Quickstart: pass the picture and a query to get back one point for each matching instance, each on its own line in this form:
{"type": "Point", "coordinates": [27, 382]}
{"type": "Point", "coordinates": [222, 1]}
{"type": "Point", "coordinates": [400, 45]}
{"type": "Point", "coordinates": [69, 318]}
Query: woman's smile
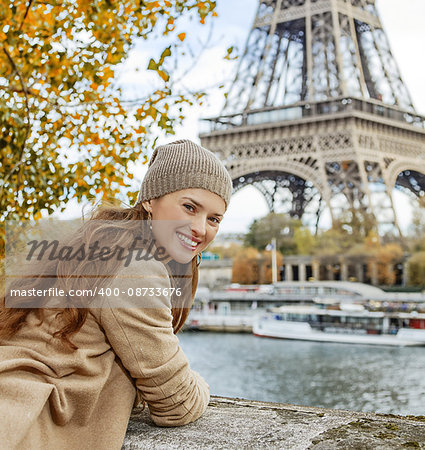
{"type": "Point", "coordinates": [188, 242]}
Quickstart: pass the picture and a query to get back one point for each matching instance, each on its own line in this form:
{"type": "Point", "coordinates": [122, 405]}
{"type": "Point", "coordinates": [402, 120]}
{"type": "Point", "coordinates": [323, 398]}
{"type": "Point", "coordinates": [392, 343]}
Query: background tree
{"type": "Point", "coordinates": [246, 266]}
{"type": "Point", "coordinates": [66, 127]}
{"type": "Point", "coordinates": [253, 267]}
{"type": "Point", "coordinates": [265, 267]}
{"type": "Point", "coordinates": [279, 226]}
{"type": "Point", "coordinates": [229, 251]}
{"type": "Point", "coordinates": [305, 242]}
{"type": "Point", "coordinates": [357, 223]}
{"type": "Point", "coordinates": [387, 256]}
{"type": "Point", "coordinates": [416, 269]}
{"type": "Point", "coordinates": [332, 242]}
{"type": "Point", "coordinates": [417, 230]}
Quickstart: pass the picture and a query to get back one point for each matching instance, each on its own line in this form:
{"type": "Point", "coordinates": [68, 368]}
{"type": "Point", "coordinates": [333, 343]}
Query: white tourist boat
{"type": "Point", "coordinates": [349, 324]}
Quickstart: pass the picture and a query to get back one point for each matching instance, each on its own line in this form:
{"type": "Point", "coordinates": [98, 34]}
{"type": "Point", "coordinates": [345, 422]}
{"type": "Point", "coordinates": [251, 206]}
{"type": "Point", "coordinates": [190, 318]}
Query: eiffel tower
{"type": "Point", "coordinates": [318, 116]}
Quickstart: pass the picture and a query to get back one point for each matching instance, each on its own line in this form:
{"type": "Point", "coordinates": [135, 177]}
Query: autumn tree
{"type": "Point", "coordinates": [387, 257]}
{"type": "Point", "coordinates": [253, 267]}
{"type": "Point", "coordinates": [416, 269]}
{"type": "Point", "coordinates": [68, 129]}
{"type": "Point", "coordinates": [246, 266]}
{"type": "Point", "coordinates": [265, 267]}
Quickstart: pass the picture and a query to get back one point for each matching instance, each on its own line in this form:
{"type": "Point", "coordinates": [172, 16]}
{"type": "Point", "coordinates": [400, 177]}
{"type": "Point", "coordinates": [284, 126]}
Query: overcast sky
{"type": "Point", "coordinates": [405, 31]}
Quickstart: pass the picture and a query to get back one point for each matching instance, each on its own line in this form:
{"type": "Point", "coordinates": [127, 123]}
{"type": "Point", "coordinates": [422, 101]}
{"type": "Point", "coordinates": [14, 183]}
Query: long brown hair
{"type": "Point", "coordinates": [73, 318]}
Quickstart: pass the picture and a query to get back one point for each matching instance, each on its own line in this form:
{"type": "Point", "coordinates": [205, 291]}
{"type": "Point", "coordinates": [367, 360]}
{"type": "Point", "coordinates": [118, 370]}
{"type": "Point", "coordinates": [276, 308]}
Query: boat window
{"type": "Point", "coordinates": [298, 317]}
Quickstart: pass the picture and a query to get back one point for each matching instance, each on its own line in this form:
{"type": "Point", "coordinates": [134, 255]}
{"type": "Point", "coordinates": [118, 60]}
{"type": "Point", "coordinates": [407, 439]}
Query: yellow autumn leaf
{"type": "Point", "coordinates": [163, 75]}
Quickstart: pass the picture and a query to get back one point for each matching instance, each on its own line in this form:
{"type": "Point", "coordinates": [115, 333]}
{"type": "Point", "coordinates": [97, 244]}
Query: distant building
{"type": "Point", "coordinates": [226, 239]}
{"type": "Point", "coordinates": [215, 273]}
{"type": "Point", "coordinates": [338, 268]}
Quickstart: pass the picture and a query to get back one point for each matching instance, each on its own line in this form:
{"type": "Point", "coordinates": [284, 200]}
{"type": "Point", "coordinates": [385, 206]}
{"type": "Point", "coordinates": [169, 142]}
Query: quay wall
{"type": "Point", "coordinates": [231, 423]}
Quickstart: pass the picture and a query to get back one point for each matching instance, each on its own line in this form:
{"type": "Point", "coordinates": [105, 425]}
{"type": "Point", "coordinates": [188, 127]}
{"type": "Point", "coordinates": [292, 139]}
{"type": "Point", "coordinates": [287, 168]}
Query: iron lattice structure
{"type": "Point", "coordinates": [318, 114]}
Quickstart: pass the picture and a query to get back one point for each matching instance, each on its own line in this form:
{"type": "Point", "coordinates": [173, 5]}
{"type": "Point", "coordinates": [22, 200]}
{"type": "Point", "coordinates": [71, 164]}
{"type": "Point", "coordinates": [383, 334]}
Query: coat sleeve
{"type": "Point", "coordinates": [144, 340]}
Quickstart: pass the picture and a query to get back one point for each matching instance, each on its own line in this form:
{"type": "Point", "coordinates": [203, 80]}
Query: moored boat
{"type": "Point", "coordinates": [347, 324]}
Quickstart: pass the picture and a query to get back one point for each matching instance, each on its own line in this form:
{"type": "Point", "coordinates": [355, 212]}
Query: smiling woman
{"type": "Point", "coordinates": [202, 211]}
{"type": "Point", "coordinates": [70, 373]}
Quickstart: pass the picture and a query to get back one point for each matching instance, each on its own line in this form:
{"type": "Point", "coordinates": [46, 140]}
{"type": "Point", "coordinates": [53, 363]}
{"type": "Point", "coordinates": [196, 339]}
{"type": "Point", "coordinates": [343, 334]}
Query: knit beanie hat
{"type": "Point", "coordinates": [183, 165]}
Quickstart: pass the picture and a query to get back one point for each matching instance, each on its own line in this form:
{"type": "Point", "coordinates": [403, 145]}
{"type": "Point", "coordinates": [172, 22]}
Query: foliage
{"type": "Point", "coordinates": [416, 269]}
{"type": "Point", "coordinates": [381, 258]}
{"type": "Point", "coordinates": [351, 230]}
{"type": "Point", "coordinates": [416, 239]}
{"type": "Point", "coordinates": [418, 221]}
{"type": "Point", "coordinates": [332, 242]}
{"type": "Point", "coordinates": [226, 252]}
{"type": "Point", "coordinates": [265, 267]}
{"type": "Point", "coordinates": [293, 238]}
{"type": "Point", "coordinates": [305, 242]}
{"type": "Point", "coordinates": [253, 267]}
{"type": "Point", "coordinates": [387, 256]}
{"type": "Point", "coordinates": [372, 242]}
{"type": "Point", "coordinates": [279, 226]}
{"type": "Point", "coordinates": [357, 223]}
{"type": "Point", "coordinates": [67, 129]}
{"type": "Point", "coordinates": [358, 243]}
{"type": "Point", "coordinates": [246, 266]}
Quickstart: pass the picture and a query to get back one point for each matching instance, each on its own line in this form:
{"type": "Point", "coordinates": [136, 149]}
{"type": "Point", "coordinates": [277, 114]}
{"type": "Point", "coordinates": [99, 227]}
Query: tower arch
{"type": "Point", "coordinates": [318, 95]}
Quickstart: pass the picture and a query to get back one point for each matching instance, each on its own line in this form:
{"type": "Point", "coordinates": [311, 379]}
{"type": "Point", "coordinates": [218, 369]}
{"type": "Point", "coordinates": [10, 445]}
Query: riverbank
{"type": "Point", "coordinates": [232, 423]}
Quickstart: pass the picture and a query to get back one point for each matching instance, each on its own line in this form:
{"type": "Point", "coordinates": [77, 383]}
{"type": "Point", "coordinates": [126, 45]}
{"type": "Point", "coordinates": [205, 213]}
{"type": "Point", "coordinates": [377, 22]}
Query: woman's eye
{"type": "Point", "coordinates": [189, 207]}
{"type": "Point", "coordinates": [215, 220]}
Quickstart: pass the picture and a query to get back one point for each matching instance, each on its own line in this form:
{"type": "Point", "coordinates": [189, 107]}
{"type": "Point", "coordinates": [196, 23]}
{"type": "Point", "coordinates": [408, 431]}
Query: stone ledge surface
{"type": "Point", "coordinates": [231, 423]}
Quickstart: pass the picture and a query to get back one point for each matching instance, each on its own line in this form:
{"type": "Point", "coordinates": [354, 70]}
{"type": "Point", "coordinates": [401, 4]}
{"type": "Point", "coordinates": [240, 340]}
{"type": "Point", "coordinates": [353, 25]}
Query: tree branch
{"type": "Point", "coordinates": [25, 15]}
{"type": "Point", "coordinates": [28, 127]}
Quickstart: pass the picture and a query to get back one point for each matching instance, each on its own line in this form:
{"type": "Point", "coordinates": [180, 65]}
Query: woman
{"type": "Point", "coordinates": [70, 376]}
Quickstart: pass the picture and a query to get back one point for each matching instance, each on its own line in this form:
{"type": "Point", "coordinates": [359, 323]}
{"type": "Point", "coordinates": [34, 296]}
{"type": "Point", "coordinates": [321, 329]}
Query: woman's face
{"type": "Point", "coordinates": [185, 221]}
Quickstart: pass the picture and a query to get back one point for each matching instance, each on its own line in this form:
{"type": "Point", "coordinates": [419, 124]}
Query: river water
{"type": "Point", "coordinates": [342, 376]}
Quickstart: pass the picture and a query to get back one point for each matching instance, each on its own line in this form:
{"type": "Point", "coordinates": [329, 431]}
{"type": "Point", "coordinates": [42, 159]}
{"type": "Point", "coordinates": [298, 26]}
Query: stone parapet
{"type": "Point", "coordinates": [231, 423]}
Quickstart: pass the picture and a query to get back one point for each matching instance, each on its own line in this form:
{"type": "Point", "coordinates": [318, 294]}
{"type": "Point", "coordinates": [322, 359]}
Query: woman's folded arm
{"type": "Point", "coordinates": [144, 340]}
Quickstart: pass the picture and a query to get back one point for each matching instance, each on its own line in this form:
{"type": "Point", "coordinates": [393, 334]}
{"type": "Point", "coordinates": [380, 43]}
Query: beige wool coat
{"type": "Point", "coordinates": [55, 398]}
